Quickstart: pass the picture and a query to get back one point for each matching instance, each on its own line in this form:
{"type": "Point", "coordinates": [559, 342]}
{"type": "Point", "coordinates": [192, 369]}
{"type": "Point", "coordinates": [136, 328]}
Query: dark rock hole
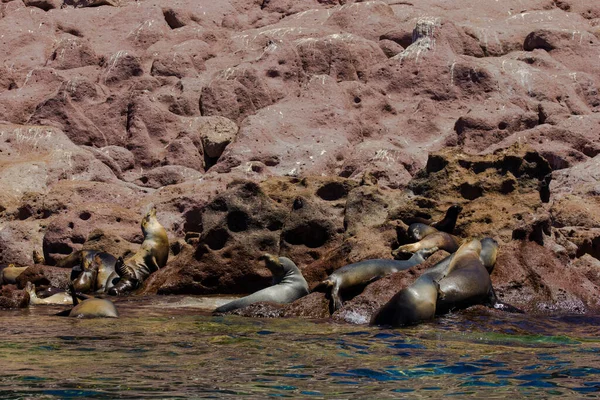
{"type": "Point", "coordinates": [216, 238]}
{"type": "Point", "coordinates": [470, 192]}
{"type": "Point", "coordinates": [310, 234]}
{"type": "Point", "coordinates": [85, 215]}
{"type": "Point", "coordinates": [332, 191]}
{"type": "Point", "coordinates": [237, 221]}
{"type": "Point", "coordinates": [172, 20]}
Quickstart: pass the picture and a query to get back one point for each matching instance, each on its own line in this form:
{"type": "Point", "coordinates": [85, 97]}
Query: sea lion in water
{"type": "Point", "coordinates": [55, 299]}
{"type": "Point", "coordinates": [151, 256]}
{"type": "Point", "coordinates": [9, 274]}
{"type": "Point", "coordinates": [288, 285]}
{"type": "Point", "coordinates": [90, 307]}
{"type": "Point", "coordinates": [441, 240]}
{"type": "Point", "coordinates": [364, 272]}
{"type": "Point", "coordinates": [97, 275]}
{"type": "Point", "coordinates": [411, 305]}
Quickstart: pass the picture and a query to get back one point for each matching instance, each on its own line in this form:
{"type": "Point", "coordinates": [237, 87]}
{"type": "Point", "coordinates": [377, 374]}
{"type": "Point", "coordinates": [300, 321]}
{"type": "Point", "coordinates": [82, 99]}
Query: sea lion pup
{"type": "Point", "coordinates": [288, 285]}
{"type": "Point", "coordinates": [418, 231]}
{"type": "Point", "coordinates": [90, 307]}
{"type": "Point", "coordinates": [441, 240]}
{"type": "Point", "coordinates": [9, 274]}
{"type": "Point", "coordinates": [97, 275]}
{"type": "Point", "coordinates": [411, 305]}
{"type": "Point", "coordinates": [55, 299]}
{"type": "Point", "coordinates": [151, 256]}
{"type": "Point", "coordinates": [364, 272]}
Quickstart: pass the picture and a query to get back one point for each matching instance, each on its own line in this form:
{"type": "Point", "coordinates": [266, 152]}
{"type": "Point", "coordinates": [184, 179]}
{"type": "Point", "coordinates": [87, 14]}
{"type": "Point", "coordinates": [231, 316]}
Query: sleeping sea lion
{"type": "Point", "coordinates": [418, 231]}
{"type": "Point", "coordinates": [441, 240]}
{"type": "Point", "coordinates": [58, 298]}
{"type": "Point", "coordinates": [364, 272]}
{"type": "Point", "coordinates": [151, 256]}
{"type": "Point", "coordinates": [98, 274]}
{"type": "Point", "coordinates": [410, 305]}
{"type": "Point", "coordinates": [288, 285]}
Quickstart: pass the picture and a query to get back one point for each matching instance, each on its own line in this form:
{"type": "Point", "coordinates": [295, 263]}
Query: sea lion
{"type": "Point", "coordinates": [151, 256]}
{"type": "Point", "coordinates": [447, 224]}
{"type": "Point", "coordinates": [364, 272]}
{"type": "Point", "coordinates": [441, 240]}
{"type": "Point", "coordinates": [98, 274]}
{"type": "Point", "coordinates": [90, 307]}
{"type": "Point", "coordinates": [9, 274]}
{"type": "Point", "coordinates": [58, 298]}
{"type": "Point", "coordinates": [410, 305]}
{"type": "Point", "coordinates": [288, 285]}
{"type": "Point", "coordinates": [466, 281]}
{"type": "Point", "coordinates": [418, 231]}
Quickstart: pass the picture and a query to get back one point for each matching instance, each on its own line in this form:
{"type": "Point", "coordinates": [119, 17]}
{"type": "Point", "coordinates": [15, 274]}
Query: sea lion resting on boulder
{"type": "Point", "coordinates": [95, 273]}
{"type": "Point", "coordinates": [58, 298]}
{"type": "Point", "coordinates": [151, 256]}
{"type": "Point", "coordinates": [441, 240]}
{"type": "Point", "coordinates": [288, 285]}
{"type": "Point", "coordinates": [460, 280]}
{"type": "Point", "coordinates": [364, 272]}
{"type": "Point", "coordinates": [8, 276]}
{"type": "Point", "coordinates": [447, 224]}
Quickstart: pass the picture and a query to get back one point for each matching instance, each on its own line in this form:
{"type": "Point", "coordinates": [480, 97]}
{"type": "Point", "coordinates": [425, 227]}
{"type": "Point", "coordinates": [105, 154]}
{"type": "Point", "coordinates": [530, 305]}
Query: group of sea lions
{"type": "Point", "coordinates": [99, 273]}
{"type": "Point", "coordinates": [460, 280]}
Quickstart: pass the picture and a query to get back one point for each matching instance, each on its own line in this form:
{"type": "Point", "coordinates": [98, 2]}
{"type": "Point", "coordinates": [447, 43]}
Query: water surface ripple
{"type": "Point", "coordinates": [157, 351]}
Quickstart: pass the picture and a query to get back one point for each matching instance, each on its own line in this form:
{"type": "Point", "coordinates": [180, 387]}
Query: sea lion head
{"type": "Point", "coordinates": [149, 220]}
{"type": "Point", "coordinates": [273, 263]}
{"type": "Point", "coordinates": [86, 280]}
{"type": "Point", "coordinates": [418, 230]}
{"type": "Point", "coordinates": [488, 254]}
{"type": "Point", "coordinates": [454, 210]}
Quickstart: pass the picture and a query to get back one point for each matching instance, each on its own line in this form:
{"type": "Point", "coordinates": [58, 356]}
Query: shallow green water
{"type": "Point", "coordinates": [157, 350]}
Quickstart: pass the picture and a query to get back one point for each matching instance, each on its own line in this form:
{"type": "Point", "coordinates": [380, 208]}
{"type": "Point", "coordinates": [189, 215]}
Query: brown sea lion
{"type": "Point", "coordinates": [55, 299]}
{"type": "Point", "coordinates": [288, 285]}
{"type": "Point", "coordinates": [364, 272]}
{"type": "Point", "coordinates": [151, 256]}
{"type": "Point", "coordinates": [8, 276]}
{"type": "Point", "coordinates": [90, 307]}
{"type": "Point", "coordinates": [418, 231]}
{"type": "Point", "coordinates": [410, 305]}
{"type": "Point", "coordinates": [441, 240]}
{"type": "Point", "coordinates": [447, 224]}
{"type": "Point", "coordinates": [98, 274]}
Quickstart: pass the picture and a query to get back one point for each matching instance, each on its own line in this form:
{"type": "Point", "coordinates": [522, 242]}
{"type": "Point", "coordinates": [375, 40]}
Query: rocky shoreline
{"type": "Point", "coordinates": [304, 130]}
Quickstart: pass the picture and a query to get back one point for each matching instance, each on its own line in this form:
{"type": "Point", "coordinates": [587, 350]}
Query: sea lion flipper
{"type": "Point", "coordinates": [73, 294]}
{"type": "Point", "coordinates": [336, 299]}
{"type": "Point", "coordinates": [495, 303]}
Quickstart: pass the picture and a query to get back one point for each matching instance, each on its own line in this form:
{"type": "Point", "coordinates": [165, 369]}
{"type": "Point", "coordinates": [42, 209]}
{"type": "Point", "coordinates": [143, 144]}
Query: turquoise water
{"type": "Point", "coordinates": [159, 350]}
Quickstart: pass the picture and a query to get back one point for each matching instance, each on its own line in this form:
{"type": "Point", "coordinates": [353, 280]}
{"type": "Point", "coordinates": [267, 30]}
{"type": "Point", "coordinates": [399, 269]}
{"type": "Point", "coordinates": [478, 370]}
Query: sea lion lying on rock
{"type": "Point", "coordinates": [151, 256]}
{"type": "Point", "coordinates": [447, 224]}
{"type": "Point", "coordinates": [364, 272]}
{"type": "Point", "coordinates": [460, 280]}
{"type": "Point", "coordinates": [288, 285]}
{"type": "Point", "coordinates": [55, 299]}
{"type": "Point", "coordinates": [97, 275]}
{"type": "Point", "coordinates": [8, 276]}
{"type": "Point", "coordinates": [440, 240]}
